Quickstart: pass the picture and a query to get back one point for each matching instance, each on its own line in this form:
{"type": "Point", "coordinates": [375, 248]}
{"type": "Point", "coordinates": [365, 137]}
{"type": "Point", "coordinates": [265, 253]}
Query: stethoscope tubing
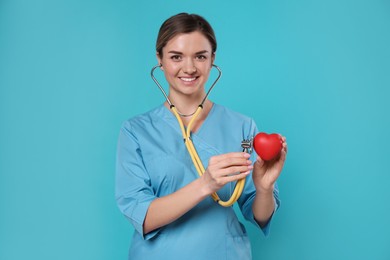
{"type": "Point", "coordinates": [189, 144]}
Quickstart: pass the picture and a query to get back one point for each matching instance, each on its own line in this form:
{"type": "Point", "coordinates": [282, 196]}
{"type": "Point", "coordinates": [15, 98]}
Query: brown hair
{"type": "Point", "coordinates": [184, 23]}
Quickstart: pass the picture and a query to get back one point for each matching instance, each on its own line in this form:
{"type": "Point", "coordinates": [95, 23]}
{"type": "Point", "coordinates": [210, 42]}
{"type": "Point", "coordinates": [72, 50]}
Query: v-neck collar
{"type": "Point", "coordinates": [171, 119]}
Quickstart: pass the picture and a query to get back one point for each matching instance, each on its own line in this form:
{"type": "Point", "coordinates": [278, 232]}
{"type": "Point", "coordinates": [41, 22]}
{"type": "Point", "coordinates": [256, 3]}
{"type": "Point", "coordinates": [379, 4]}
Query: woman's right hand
{"type": "Point", "coordinates": [221, 170]}
{"type": "Point", "coordinates": [226, 168]}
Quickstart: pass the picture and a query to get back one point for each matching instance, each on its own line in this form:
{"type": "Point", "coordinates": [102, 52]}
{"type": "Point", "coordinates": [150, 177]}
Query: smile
{"type": "Point", "coordinates": [189, 79]}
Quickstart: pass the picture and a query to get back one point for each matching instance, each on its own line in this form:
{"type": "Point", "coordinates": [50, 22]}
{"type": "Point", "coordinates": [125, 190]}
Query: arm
{"type": "Point", "coordinates": [264, 176]}
{"type": "Point", "coordinates": [137, 200]}
{"type": "Point", "coordinates": [167, 209]}
{"type": "Point", "coordinates": [263, 206]}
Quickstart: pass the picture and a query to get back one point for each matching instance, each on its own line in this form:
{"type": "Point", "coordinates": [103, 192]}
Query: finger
{"type": "Point", "coordinates": [222, 157]}
{"type": "Point", "coordinates": [283, 155]}
{"type": "Point", "coordinates": [284, 146]}
{"type": "Point", "coordinates": [260, 162]}
{"type": "Point", "coordinates": [234, 170]}
{"type": "Point", "coordinates": [220, 170]}
{"type": "Point", "coordinates": [236, 177]}
{"type": "Point", "coordinates": [228, 162]}
{"type": "Point", "coordinates": [282, 138]}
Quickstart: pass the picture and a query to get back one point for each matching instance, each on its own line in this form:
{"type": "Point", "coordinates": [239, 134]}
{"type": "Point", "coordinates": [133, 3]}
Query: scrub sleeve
{"type": "Point", "coordinates": [133, 182]}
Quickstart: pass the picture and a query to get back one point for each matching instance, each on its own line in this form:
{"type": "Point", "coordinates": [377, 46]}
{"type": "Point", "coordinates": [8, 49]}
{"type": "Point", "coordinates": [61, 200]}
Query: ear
{"type": "Point", "coordinates": [159, 60]}
{"type": "Point", "coordinates": [212, 58]}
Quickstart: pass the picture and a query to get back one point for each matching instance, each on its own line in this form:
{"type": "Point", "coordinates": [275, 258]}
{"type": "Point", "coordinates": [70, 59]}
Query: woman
{"type": "Point", "coordinates": [157, 186]}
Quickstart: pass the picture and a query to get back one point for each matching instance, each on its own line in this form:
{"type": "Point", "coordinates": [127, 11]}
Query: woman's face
{"type": "Point", "coordinates": [186, 61]}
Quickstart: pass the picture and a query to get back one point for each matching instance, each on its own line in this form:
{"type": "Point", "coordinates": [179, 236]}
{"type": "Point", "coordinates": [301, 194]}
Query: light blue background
{"type": "Point", "coordinates": [316, 71]}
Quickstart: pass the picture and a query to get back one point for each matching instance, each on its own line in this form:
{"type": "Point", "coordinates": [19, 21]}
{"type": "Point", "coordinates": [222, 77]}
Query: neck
{"type": "Point", "coordinates": [205, 111]}
{"type": "Point", "coordinates": [187, 105]}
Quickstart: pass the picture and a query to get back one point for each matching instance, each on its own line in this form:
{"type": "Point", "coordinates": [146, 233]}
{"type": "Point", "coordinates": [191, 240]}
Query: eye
{"type": "Point", "coordinates": [201, 57]}
{"type": "Point", "coordinates": [176, 57]}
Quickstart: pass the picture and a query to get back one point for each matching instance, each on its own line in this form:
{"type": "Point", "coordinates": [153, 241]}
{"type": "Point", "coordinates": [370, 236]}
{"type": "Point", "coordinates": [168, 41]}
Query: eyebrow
{"type": "Point", "coordinates": [197, 53]}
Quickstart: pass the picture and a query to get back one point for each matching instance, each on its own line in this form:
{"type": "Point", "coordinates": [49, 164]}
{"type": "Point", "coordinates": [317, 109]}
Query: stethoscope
{"type": "Point", "coordinates": [188, 142]}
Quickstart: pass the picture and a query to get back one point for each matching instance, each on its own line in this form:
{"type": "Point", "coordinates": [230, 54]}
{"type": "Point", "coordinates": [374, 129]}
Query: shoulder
{"type": "Point", "coordinates": [232, 116]}
{"type": "Point", "coordinates": [143, 120]}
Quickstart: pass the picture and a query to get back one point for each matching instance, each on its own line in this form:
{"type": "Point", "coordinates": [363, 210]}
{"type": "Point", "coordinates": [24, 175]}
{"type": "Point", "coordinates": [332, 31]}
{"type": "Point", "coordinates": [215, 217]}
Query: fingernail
{"type": "Point", "coordinates": [247, 155]}
{"type": "Point", "coordinates": [250, 167]}
{"type": "Point", "coordinates": [247, 173]}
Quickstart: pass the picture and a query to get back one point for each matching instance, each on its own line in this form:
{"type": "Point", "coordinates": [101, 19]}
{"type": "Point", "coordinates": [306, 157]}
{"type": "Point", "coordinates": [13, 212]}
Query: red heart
{"type": "Point", "coordinates": [267, 146]}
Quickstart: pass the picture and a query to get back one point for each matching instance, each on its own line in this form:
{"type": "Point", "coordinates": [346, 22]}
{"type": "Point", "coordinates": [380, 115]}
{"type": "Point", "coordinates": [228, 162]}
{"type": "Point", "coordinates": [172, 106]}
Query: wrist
{"type": "Point", "coordinates": [265, 190]}
{"type": "Point", "coordinates": [203, 188]}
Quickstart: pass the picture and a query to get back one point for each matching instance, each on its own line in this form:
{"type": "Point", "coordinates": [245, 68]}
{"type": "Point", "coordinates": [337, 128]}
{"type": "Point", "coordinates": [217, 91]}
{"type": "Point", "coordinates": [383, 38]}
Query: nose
{"type": "Point", "coordinates": [189, 67]}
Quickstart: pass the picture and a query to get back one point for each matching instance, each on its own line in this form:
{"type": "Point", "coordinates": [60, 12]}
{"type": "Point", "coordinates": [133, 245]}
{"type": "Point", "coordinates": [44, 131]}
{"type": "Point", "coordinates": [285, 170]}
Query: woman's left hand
{"type": "Point", "coordinates": [265, 173]}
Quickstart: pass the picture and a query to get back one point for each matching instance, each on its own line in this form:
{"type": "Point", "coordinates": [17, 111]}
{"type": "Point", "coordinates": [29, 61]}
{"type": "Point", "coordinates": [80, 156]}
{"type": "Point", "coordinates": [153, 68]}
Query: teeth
{"type": "Point", "coordinates": [188, 79]}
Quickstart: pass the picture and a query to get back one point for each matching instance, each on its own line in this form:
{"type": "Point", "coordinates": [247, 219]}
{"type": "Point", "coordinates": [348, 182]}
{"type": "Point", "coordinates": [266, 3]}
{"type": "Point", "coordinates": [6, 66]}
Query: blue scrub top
{"type": "Point", "coordinates": [152, 161]}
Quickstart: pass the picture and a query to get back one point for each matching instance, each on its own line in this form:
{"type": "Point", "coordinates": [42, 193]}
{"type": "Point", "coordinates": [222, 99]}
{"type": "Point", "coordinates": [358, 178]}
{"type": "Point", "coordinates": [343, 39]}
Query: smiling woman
{"type": "Point", "coordinates": [176, 214]}
{"type": "Point", "coordinates": [186, 61]}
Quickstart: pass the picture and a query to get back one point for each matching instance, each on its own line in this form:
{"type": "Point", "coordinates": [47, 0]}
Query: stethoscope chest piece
{"type": "Point", "coordinates": [247, 145]}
